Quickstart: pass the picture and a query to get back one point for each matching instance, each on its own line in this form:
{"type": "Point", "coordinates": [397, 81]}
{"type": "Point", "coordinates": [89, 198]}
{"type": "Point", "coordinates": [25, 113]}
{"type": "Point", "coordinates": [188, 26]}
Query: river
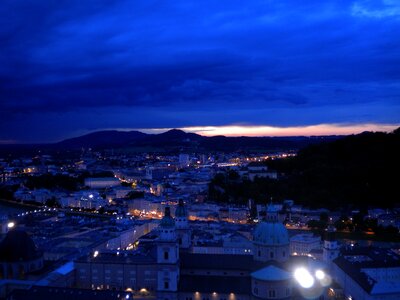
{"type": "Point", "coordinates": [10, 209]}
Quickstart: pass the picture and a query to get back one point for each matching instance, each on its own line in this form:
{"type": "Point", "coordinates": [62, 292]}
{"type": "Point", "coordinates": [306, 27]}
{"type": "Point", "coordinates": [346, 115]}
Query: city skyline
{"type": "Point", "coordinates": [260, 68]}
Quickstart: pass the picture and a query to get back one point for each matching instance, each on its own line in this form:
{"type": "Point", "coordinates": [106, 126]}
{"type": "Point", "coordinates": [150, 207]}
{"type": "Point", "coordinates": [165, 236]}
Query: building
{"type": "Point", "coordinates": [302, 244]}
{"type": "Point", "coordinates": [361, 273]}
{"type": "Point", "coordinates": [260, 171]}
{"type": "Point", "coordinates": [153, 268]}
{"type": "Point", "coordinates": [84, 199]}
{"type": "Point", "coordinates": [182, 226]}
{"type": "Point", "coordinates": [19, 255]}
{"type": "Point", "coordinates": [102, 183]}
{"type": "Point", "coordinates": [37, 195]}
{"type": "Point", "coordinates": [63, 293]}
{"type": "Point", "coordinates": [163, 268]}
{"type": "Point", "coordinates": [184, 160]}
{"type": "Point", "coordinates": [368, 273]}
{"type": "Point", "coordinates": [330, 249]}
{"type": "Point", "coordinates": [235, 244]}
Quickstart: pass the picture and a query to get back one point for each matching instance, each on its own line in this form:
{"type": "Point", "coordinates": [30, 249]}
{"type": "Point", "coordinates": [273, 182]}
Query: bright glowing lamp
{"type": "Point", "coordinates": [10, 225]}
{"type": "Point", "coordinates": [304, 278]}
{"type": "Point", "coordinates": [319, 274]}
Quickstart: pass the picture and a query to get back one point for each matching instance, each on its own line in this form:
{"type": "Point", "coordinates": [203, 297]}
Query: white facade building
{"type": "Point", "coordinates": [101, 183]}
{"type": "Point", "coordinates": [302, 244]}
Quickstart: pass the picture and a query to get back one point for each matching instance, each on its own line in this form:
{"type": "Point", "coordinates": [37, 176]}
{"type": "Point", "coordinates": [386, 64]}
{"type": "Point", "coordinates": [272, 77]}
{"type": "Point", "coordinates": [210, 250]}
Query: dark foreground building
{"type": "Point", "coordinates": [163, 268]}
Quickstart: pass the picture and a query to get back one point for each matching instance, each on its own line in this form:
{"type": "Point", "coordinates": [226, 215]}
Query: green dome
{"type": "Point", "coordinates": [180, 211]}
{"type": "Point", "coordinates": [271, 234]}
{"type": "Point", "coordinates": [18, 246]}
{"type": "Point", "coordinates": [271, 273]}
{"type": "Point", "coordinates": [167, 221]}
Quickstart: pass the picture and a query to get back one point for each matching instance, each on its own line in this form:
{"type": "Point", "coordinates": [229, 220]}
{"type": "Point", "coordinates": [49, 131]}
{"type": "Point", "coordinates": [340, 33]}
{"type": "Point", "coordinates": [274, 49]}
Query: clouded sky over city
{"type": "Point", "coordinates": [71, 67]}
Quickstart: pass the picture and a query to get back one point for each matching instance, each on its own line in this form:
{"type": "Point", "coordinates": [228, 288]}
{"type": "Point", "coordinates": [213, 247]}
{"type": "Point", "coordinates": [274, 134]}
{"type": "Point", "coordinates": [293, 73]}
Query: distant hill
{"type": "Point", "coordinates": [243, 143]}
{"type": "Point", "coordinates": [178, 140]}
{"type": "Point", "coordinates": [170, 141]}
{"type": "Point", "coordinates": [357, 171]}
{"type": "Point", "coordinates": [102, 139]}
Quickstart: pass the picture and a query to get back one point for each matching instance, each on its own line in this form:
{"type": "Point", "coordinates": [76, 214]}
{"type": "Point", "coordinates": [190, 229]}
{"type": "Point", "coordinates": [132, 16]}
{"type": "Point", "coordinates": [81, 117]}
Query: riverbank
{"type": "Point", "coordinates": [5, 202]}
{"type": "Point", "coordinates": [8, 207]}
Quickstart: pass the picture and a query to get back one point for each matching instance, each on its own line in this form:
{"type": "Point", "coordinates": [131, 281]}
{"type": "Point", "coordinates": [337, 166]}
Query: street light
{"type": "Point", "coordinates": [10, 225]}
{"type": "Point", "coordinates": [319, 274]}
{"type": "Point", "coordinates": [304, 278]}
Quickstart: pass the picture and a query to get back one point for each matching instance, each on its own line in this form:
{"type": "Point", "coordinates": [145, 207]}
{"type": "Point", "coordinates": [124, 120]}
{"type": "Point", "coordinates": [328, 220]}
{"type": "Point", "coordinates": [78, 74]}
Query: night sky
{"type": "Point", "coordinates": [72, 67]}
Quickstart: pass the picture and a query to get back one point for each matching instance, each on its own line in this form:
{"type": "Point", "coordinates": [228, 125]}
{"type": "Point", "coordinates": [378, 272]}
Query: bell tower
{"type": "Point", "coordinates": [330, 249]}
{"type": "Point", "coordinates": [182, 226]}
{"type": "Point", "coordinates": [167, 256]}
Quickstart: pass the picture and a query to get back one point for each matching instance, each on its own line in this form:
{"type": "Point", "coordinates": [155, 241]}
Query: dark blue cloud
{"type": "Point", "coordinates": [74, 66]}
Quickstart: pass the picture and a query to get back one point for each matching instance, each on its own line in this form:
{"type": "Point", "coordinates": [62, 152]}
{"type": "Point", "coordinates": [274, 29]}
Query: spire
{"type": "Point", "coordinates": [181, 210]}
{"type": "Point", "coordinates": [330, 232]}
{"type": "Point", "coordinates": [271, 213]}
{"type": "Point", "coordinates": [167, 220]}
{"type": "Point", "coordinates": [167, 212]}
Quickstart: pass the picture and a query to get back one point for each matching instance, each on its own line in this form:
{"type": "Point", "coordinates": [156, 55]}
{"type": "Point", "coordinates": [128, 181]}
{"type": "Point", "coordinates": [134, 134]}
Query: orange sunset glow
{"type": "Point", "coordinates": [252, 130]}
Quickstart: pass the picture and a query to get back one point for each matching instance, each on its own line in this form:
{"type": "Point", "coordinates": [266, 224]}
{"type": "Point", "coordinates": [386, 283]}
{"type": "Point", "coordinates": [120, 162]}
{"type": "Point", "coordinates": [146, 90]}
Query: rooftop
{"type": "Point", "coordinates": [361, 264]}
{"type": "Point", "coordinates": [40, 293]}
{"type": "Point", "coordinates": [215, 284]}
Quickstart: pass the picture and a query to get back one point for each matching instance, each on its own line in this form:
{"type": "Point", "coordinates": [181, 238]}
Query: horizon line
{"type": "Point", "coordinates": [239, 130]}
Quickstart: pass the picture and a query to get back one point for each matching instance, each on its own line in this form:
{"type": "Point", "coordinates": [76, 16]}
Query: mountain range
{"type": "Point", "coordinates": [175, 139]}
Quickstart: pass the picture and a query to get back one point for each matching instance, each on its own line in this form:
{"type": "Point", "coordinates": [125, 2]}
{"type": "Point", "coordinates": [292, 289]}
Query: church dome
{"type": "Point", "coordinates": [180, 211]}
{"type": "Point", "coordinates": [18, 246]}
{"type": "Point", "coordinates": [271, 273]}
{"type": "Point", "coordinates": [271, 234]}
